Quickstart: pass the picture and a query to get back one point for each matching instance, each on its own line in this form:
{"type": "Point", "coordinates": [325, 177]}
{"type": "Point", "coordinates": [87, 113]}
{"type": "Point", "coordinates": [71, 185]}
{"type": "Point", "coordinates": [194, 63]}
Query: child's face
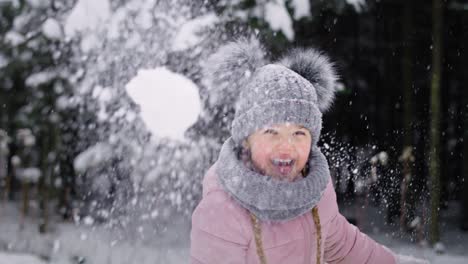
{"type": "Point", "coordinates": [280, 151]}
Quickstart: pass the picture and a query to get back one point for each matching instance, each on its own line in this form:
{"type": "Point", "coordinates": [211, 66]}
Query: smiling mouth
{"type": "Point", "coordinates": [283, 166]}
{"type": "Point", "coordinates": [283, 162]}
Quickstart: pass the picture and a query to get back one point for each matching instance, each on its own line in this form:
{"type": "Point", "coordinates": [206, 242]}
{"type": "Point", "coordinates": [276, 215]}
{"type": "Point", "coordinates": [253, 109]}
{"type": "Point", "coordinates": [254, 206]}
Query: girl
{"type": "Point", "coordinates": [269, 197]}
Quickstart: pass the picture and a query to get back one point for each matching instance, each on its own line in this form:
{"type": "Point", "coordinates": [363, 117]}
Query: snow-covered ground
{"type": "Point", "coordinates": [9, 258]}
{"type": "Point", "coordinates": [372, 222]}
{"type": "Point", "coordinates": [68, 243]}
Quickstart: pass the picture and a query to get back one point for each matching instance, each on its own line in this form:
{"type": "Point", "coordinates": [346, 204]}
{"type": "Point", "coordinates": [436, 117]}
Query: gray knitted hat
{"type": "Point", "coordinates": [295, 89]}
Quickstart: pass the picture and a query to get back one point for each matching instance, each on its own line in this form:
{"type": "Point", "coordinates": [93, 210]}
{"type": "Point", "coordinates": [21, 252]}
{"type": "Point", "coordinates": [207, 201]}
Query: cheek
{"type": "Point", "coordinates": [303, 151]}
{"type": "Point", "coordinates": [260, 153]}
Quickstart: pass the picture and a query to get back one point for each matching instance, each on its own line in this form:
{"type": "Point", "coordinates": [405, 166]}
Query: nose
{"type": "Point", "coordinates": [285, 144]}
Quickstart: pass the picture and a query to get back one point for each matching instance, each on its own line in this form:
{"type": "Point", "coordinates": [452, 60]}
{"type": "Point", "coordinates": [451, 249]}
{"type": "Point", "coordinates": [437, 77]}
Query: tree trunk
{"type": "Point", "coordinates": [409, 199]}
{"type": "Point", "coordinates": [45, 166]}
{"type": "Point", "coordinates": [434, 161]}
{"type": "Point", "coordinates": [464, 205]}
{"type": "Point", "coordinates": [464, 211]}
{"type": "Point", "coordinates": [25, 213]}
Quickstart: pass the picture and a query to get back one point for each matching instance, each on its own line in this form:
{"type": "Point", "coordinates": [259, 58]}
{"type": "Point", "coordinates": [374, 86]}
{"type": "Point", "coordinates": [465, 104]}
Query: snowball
{"type": "Point", "coordinates": [189, 34]}
{"type": "Point", "coordinates": [52, 29]}
{"type": "Point", "coordinates": [169, 101]}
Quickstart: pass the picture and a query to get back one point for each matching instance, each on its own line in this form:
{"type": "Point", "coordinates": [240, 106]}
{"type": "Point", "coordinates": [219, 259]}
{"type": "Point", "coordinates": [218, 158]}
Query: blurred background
{"type": "Point", "coordinates": [107, 124]}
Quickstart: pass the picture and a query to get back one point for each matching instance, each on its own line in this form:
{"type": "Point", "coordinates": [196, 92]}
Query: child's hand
{"type": "Point", "coordinates": [402, 259]}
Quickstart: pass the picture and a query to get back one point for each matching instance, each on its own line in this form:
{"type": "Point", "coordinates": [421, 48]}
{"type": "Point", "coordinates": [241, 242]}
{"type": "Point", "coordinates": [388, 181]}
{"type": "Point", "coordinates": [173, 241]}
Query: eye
{"type": "Point", "coordinates": [300, 133]}
{"type": "Point", "coordinates": [270, 131]}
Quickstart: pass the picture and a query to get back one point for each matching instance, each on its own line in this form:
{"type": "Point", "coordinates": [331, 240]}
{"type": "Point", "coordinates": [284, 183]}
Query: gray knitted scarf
{"type": "Point", "coordinates": [267, 198]}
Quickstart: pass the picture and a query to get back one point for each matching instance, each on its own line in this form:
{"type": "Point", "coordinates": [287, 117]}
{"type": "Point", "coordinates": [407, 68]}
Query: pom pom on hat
{"type": "Point", "coordinates": [230, 67]}
{"type": "Point", "coordinates": [317, 69]}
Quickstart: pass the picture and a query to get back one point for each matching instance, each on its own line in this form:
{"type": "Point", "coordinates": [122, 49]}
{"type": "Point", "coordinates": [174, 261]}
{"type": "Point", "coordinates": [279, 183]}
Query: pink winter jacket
{"type": "Point", "coordinates": [222, 232]}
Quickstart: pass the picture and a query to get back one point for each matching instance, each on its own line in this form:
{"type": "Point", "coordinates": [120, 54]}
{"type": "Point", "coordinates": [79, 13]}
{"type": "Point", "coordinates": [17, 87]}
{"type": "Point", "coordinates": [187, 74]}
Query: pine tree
{"type": "Point", "coordinates": [434, 161]}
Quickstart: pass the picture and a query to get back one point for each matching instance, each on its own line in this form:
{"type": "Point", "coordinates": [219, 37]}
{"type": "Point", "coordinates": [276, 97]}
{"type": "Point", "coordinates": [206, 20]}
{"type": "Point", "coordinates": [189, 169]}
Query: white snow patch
{"type": "Point", "coordinates": [145, 16]}
{"type": "Point", "coordinates": [88, 220]}
{"type": "Point", "coordinates": [14, 38]}
{"type": "Point", "coordinates": [38, 3]}
{"type": "Point", "coordinates": [39, 78]}
{"type": "Point", "coordinates": [277, 16]}
{"type": "Point", "coordinates": [92, 157]}
{"type": "Point", "coordinates": [3, 61]}
{"type": "Point", "coordinates": [26, 137]}
{"type": "Point", "coordinates": [21, 21]}
{"type": "Point", "coordinates": [52, 29]}
{"type": "Point", "coordinates": [62, 102]}
{"type": "Point", "coordinates": [301, 8]}
{"type": "Point", "coordinates": [357, 4]}
{"type": "Point", "coordinates": [15, 161]}
{"type": "Point", "coordinates": [29, 174]}
{"type": "Point", "coordinates": [114, 23]}
{"type": "Point", "coordinates": [87, 15]}
{"type": "Point", "coordinates": [190, 33]}
{"type": "Point", "coordinates": [169, 101]}
{"type": "Point", "coordinates": [104, 95]}
{"type": "Point", "coordinates": [4, 140]}
{"type": "Point", "coordinates": [439, 248]}
{"type": "Point", "coordinates": [15, 258]}
{"type": "Point", "coordinates": [89, 42]}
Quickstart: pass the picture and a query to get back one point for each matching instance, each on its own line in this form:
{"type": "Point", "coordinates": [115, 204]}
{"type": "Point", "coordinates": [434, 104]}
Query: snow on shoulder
{"type": "Point", "coordinates": [169, 102]}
